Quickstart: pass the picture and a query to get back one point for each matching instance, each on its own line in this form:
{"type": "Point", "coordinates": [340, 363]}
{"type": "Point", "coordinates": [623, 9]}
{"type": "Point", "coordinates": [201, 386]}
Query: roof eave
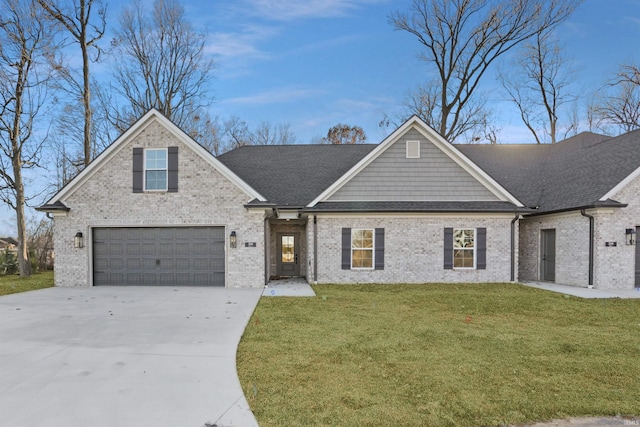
{"type": "Point", "coordinates": [57, 207]}
{"type": "Point", "coordinates": [616, 205]}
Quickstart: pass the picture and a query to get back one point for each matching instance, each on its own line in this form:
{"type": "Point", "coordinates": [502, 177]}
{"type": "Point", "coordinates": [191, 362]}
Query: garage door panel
{"type": "Point", "coordinates": [181, 248]}
{"type": "Point", "coordinates": [132, 279]}
{"type": "Point", "coordinates": [116, 264]}
{"type": "Point", "coordinates": [148, 264]}
{"type": "Point", "coordinates": [148, 249]}
{"type": "Point", "coordinates": [159, 256]}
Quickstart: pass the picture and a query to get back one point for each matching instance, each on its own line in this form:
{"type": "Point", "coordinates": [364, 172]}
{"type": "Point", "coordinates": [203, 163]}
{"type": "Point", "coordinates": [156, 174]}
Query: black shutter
{"type": "Point", "coordinates": [379, 255]}
{"type": "Point", "coordinates": [172, 170]}
{"type": "Point", "coordinates": [138, 169]}
{"type": "Point", "coordinates": [448, 248]}
{"type": "Point", "coordinates": [481, 248]}
{"type": "Point", "coordinates": [346, 248]}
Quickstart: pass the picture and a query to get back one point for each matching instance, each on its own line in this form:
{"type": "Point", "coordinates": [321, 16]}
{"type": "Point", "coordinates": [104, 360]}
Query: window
{"type": "Point", "coordinates": [362, 249]}
{"type": "Point", "coordinates": [464, 250]}
{"type": "Point", "coordinates": [155, 169]}
{"type": "Point", "coordinates": [413, 149]}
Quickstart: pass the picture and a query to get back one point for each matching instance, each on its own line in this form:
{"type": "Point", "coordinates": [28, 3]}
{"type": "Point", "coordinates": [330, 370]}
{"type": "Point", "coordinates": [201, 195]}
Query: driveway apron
{"type": "Point", "coordinates": [123, 356]}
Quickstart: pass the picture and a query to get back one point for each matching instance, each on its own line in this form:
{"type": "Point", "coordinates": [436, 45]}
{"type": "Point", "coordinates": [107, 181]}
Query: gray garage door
{"type": "Point", "coordinates": [166, 256]}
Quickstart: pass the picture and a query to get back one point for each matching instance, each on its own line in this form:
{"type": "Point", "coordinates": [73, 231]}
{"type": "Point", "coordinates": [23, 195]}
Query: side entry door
{"type": "Point", "coordinates": [548, 255]}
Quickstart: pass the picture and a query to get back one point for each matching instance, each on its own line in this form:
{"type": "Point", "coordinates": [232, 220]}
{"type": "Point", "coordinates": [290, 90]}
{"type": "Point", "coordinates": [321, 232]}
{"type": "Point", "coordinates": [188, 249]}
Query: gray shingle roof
{"type": "Point", "coordinates": [571, 174]}
{"type": "Point", "coordinates": [293, 175]}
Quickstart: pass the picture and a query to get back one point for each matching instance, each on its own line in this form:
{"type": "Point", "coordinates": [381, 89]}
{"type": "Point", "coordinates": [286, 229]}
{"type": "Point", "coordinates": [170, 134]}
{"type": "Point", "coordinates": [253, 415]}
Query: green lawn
{"type": "Point", "coordinates": [439, 355]}
{"type": "Point", "coordinates": [12, 284]}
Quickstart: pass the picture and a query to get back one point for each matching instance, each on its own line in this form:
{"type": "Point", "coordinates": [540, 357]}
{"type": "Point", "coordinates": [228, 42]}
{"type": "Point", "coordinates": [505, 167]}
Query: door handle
{"type": "Point", "coordinates": [296, 258]}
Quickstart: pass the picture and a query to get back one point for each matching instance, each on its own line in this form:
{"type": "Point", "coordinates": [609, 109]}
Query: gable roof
{"type": "Point", "coordinates": [448, 149]}
{"type": "Point", "coordinates": [55, 204]}
{"type": "Point", "coordinates": [576, 173]}
{"type": "Point", "coordinates": [293, 175]}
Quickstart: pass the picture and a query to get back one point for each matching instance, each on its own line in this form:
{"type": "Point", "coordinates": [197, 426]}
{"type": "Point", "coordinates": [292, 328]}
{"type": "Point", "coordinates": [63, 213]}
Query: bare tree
{"type": "Point", "coordinates": [268, 134]}
{"type": "Point", "coordinates": [538, 87]}
{"type": "Point", "coordinates": [615, 107]}
{"type": "Point", "coordinates": [40, 240]}
{"type": "Point", "coordinates": [345, 134]}
{"type": "Point", "coordinates": [25, 46]}
{"type": "Point", "coordinates": [462, 38]}
{"type": "Point", "coordinates": [86, 29]}
{"type": "Point", "coordinates": [161, 64]}
{"type": "Point", "coordinates": [236, 133]}
{"type": "Point", "coordinates": [207, 131]}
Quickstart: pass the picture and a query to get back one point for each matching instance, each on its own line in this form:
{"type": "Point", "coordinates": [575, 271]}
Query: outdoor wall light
{"type": "Point", "coordinates": [630, 234]}
{"type": "Point", "coordinates": [78, 240]}
{"type": "Point", "coordinates": [232, 240]}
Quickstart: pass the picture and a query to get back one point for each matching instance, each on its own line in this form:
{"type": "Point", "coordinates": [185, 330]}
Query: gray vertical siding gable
{"type": "Point", "coordinates": [432, 177]}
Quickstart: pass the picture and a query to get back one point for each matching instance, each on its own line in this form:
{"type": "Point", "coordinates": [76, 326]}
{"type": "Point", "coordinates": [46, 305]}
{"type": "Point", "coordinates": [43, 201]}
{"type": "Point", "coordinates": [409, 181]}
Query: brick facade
{"type": "Point", "coordinates": [414, 250]}
{"type": "Point", "coordinates": [205, 197]}
{"type": "Point", "coordinates": [614, 266]}
{"type": "Point", "coordinates": [572, 247]}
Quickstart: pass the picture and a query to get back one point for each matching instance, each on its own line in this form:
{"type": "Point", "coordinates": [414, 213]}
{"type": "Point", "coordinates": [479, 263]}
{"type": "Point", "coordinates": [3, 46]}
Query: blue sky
{"type": "Point", "coordinates": [316, 63]}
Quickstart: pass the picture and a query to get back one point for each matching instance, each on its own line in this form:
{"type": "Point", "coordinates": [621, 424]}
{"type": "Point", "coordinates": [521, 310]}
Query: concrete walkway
{"type": "Point", "coordinates": [123, 356]}
{"type": "Point", "coordinates": [288, 288]}
{"type": "Point", "coordinates": [584, 292]}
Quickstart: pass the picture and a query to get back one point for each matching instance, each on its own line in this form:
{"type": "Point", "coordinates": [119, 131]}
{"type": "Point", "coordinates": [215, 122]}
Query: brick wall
{"type": "Point", "coordinates": [414, 250]}
{"type": "Point", "coordinates": [614, 266]}
{"type": "Point", "coordinates": [205, 197]}
{"type": "Point", "coordinates": [572, 247]}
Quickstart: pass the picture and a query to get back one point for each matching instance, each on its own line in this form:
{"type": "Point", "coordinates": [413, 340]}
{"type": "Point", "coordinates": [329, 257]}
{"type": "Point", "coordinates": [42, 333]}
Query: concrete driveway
{"type": "Point", "coordinates": [123, 356]}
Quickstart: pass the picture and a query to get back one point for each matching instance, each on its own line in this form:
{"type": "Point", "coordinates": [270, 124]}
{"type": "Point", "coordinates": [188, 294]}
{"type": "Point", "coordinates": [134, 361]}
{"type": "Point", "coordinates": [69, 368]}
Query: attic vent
{"type": "Point", "coordinates": [413, 149]}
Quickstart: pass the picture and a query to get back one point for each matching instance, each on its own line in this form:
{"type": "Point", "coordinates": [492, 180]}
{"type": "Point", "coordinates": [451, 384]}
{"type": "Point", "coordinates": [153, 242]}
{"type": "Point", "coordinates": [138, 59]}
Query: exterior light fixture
{"type": "Point", "coordinates": [630, 236]}
{"type": "Point", "coordinates": [232, 240]}
{"type": "Point", "coordinates": [78, 240]}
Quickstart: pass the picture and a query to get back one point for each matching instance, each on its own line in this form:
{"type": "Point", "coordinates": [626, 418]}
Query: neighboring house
{"type": "Point", "coordinates": [155, 208]}
{"type": "Point", "coordinates": [8, 244]}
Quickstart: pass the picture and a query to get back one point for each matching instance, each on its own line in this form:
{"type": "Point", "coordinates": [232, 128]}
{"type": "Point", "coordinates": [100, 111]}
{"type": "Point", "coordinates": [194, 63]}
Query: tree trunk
{"type": "Point", "coordinates": [86, 95]}
{"type": "Point", "coordinates": [23, 252]}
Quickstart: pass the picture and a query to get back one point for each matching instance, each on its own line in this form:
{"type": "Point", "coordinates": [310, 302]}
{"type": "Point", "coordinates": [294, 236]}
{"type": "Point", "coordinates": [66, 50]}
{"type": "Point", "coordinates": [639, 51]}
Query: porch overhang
{"type": "Point", "coordinates": [287, 214]}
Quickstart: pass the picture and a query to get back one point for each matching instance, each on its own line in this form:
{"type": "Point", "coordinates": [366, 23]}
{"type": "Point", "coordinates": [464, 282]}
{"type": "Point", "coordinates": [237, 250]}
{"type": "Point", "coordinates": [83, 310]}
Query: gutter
{"type": "Point", "coordinates": [591, 232]}
{"type": "Point", "coordinates": [575, 208]}
{"type": "Point", "coordinates": [513, 247]}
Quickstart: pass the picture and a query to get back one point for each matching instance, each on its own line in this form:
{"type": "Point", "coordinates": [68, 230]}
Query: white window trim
{"type": "Point", "coordinates": [373, 249]}
{"type": "Point", "coordinates": [475, 249]}
{"type": "Point", "coordinates": [144, 171]}
{"type": "Point", "coordinates": [408, 144]}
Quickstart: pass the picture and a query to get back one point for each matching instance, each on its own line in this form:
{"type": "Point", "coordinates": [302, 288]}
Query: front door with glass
{"type": "Point", "coordinates": [287, 254]}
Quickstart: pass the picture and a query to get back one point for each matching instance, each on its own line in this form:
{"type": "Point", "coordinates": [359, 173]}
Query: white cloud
{"type": "Point", "coordinates": [274, 96]}
{"type": "Point", "coordinates": [242, 43]}
{"type": "Point", "coordinates": [288, 10]}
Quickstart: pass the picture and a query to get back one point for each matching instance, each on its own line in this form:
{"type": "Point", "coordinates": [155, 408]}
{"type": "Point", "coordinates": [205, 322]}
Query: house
{"type": "Point", "coordinates": [155, 208]}
{"type": "Point", "coordinates": [8, 244]}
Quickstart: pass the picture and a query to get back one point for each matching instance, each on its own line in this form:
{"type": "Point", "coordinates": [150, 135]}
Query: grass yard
{"type": "Point", "coordinates": [12, 284]}
{"type": "Point", "coordinates": [439, 355]}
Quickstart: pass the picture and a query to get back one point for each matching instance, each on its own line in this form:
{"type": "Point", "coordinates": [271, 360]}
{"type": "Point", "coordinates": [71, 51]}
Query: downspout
{"type": "Point", "coordinates": [513, 247]}
{"type": "Point", "coordinates": [315, 249]}
{"type": "Point", "coordinates": [591, 227]}
{"type": "Point", "coordinates": [266, 250]}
